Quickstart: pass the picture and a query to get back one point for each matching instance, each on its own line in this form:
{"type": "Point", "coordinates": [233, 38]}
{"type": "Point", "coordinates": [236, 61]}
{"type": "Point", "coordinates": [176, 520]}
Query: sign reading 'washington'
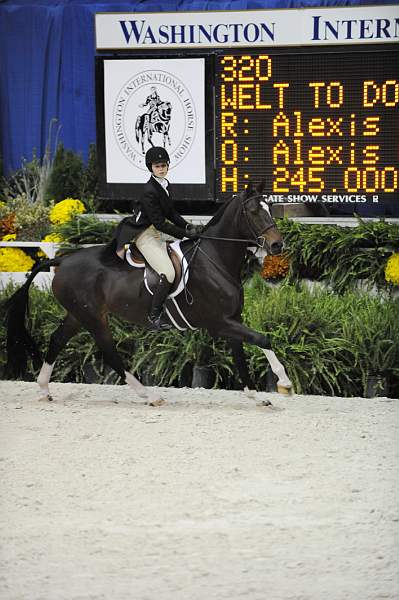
{"type": "Point", "coordinates": [256, 28]}
{"type": "Point", "coordinates": [151, 104]}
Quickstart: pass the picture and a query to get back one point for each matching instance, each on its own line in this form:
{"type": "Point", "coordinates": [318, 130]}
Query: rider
{"type": "Point", "coordinates": [153, 101]}
{"type": "Point", "coordinates": [154, 213]}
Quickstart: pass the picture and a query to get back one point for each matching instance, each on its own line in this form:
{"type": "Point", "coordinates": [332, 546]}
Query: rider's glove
{"type": "Point", "coordinates": [193, 231]}
{"type": "Point", "coordinates": [191, 235]}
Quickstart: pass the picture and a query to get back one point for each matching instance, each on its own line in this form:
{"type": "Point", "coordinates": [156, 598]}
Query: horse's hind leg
{"type": "Point", "coordinates": [59, 339]}
{"type": "Point", "coordinates": [102, 335]}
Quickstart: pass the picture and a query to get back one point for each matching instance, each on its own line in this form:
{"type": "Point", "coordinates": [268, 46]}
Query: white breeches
{"type": "Point", "coordinates": [155, 252]}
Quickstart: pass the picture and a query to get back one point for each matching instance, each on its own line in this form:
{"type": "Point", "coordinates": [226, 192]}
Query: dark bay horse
{"type": "Point", "coordinates": [92, 282]}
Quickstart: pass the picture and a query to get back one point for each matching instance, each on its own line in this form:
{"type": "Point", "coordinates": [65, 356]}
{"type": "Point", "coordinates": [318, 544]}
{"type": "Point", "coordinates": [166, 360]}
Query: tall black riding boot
{"type": "Point", "coordinates": [160, 294]}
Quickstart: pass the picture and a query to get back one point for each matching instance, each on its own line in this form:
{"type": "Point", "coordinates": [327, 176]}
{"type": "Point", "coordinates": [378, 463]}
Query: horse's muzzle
{"type": "Point", "coordinates": [276, 248]}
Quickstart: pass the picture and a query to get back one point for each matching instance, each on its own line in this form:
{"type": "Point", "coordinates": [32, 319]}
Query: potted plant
{"type": "Point", "coordinates": [372, 332]}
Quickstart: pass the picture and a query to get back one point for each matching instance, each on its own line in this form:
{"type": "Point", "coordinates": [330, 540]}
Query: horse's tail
{"type": "Point", "coordinates": [20, 344]}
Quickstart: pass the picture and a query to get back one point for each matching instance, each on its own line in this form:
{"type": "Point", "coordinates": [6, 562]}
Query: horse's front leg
{"type": "Point", "coordinates": [241, 333]}
{"type": "Point", "coordinates": [149, 136]}
{"type": "Point", "coordinates": [240, 363]}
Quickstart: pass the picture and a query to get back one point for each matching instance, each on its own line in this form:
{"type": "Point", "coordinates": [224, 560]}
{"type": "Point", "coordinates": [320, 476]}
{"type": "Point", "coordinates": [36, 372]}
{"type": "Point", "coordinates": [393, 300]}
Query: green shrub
{"type": "Point", "coordinates": [305, 332]}
{"type": "Point", "coordinates": [170, 356]}
{"type": "Point", "coordinates": [90, 176]}
{"type": "Point", "coordinates": [67, 176]}
{"type": "Point", "coordinates": [31, 180]}
{"type": "Point", "coordinates": [338, 255]}
{"type": "Point", "coordinates": [372, 332]}
{"type": "Point", "coordinates": [87, 229]}
{"type": "Point", "coordinates": [330, 344]}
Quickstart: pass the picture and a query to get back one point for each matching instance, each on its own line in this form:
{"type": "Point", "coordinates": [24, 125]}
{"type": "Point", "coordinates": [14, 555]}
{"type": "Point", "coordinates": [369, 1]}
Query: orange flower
{"type": "Point", "coordinates": [275, 267]}
{"type": "Point", "coordinates": [7, 225]}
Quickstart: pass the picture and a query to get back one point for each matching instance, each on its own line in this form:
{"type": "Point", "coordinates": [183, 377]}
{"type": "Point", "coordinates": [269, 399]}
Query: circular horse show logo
{"type": "Point", "coordinates": [154, 108]}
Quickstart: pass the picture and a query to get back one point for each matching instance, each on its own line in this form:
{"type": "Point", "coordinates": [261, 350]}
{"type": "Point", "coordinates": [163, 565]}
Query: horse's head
{"type": "Point", "coordinates": [165, 110]}
{"type": "Point", "coordinates": [258, 219]}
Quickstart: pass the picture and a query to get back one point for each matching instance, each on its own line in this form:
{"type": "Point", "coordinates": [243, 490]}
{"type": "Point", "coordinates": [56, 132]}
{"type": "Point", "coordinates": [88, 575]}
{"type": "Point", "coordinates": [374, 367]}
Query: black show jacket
{"type": "Point", "coordinates": [154, 208]}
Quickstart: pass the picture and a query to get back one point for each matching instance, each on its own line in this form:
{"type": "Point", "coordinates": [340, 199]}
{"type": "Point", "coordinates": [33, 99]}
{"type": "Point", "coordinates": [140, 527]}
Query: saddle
{"type": "Point", "coordinates": [174, 306]}
{"type": "Point", "coordinates": [134, 257]}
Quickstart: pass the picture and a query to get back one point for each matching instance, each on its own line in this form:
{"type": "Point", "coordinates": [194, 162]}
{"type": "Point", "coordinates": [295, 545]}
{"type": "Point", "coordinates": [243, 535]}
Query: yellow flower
{"type": "Point", "coordinates": [15, 259]}
{"type": "Point", "coordinates": [52, 237]}
{"type": "Point", "coordinates": [392, 269]}
{"type": "Point", "coordinates": [64, 211]}
{"type": "Point", "coordinates": [10, 237]}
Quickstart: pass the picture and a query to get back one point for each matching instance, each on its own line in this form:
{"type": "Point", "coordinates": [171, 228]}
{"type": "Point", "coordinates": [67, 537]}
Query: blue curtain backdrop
{"type": "Point", "coordinates": [47, 54]}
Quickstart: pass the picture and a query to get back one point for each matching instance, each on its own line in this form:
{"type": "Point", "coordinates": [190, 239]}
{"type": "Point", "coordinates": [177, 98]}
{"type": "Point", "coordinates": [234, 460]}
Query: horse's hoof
{"type": "Point", "coordinates": [156, 402]}
{"type": "Point", "coordinates": [46, 398]}
{"type": "Point", "coordinates": [266, 403]}
{"type": "Point", "coordinates": [285, 389]}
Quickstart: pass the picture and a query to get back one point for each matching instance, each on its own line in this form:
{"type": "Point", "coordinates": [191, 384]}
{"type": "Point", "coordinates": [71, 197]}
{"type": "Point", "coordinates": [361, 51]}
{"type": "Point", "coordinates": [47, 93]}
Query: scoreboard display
{"type": "Point", "coordinates": [318, 127]}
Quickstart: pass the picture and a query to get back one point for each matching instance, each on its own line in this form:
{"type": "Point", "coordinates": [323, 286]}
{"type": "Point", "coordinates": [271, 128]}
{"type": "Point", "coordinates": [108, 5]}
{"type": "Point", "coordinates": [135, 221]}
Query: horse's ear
{"type": "Point", "coordinates": [249, 190]}
{"type": "Point", "coordinates": [261, 186]}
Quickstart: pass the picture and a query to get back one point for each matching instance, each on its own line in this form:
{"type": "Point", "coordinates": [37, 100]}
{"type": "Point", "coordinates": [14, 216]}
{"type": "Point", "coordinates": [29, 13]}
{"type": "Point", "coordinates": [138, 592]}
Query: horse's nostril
{"type": "Point", "coordinates": [276, 247]}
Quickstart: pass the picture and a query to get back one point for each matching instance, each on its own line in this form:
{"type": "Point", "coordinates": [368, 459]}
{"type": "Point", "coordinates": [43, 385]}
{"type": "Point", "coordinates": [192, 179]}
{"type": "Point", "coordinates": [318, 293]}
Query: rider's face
{"type": "Point", "coordinates": [160, 169]}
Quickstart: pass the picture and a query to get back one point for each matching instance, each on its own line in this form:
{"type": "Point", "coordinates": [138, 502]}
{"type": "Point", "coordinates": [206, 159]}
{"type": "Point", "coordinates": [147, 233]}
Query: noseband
{"type": "Point", "coordinates": [256, 236]}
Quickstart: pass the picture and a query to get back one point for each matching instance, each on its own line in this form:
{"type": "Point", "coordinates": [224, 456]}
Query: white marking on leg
{"type": "Point", "coordinates": [136, 386]}
{"type": "Point", "coordinates": [257, 396]}
{"type": "Point", "coordinates": [277, 368]}
{"type": "Point", "coordinates": [142, 391]}
{"type": "Point", "coordinates": [44, 379]}
{"type": "Point", "coordinates": [250, 393]}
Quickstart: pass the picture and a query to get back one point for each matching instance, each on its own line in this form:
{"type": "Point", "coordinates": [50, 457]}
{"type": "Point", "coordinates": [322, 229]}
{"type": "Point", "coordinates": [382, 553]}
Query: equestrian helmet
{"type": "Point", "coordinates": [155, 155]}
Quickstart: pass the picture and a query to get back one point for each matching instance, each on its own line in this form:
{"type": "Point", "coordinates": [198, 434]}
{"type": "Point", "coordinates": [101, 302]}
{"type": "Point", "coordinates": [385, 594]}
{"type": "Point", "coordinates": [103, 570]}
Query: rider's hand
{"type": "Point", "coordinates": [193, 231]}
{"type": "Point", "coordinates": [191, 235]}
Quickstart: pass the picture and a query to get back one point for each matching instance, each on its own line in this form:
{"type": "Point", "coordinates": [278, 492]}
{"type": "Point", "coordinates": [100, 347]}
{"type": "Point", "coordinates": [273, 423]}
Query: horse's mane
{"type": "Point", "coordinates": [248, 191]}
{"type": "Point", "coordinates": [218, 214]}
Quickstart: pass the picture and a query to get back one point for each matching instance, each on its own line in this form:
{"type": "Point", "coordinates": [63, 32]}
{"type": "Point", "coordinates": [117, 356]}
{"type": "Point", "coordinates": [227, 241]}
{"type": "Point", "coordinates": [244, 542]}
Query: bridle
{"type": "Point", "coordinates": [257, 236]}
{"type": "Point", "coordinates": [254, 241]}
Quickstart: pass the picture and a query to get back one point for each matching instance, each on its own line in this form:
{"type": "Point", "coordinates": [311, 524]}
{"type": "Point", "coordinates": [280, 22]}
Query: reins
{"type": "Point", "coordinates": [253, 241]}
{"type": "Point", "coordinates": [250, 242]}
{"type": "Point", "coordinates": [221, 269]}
{"type": "Point", "coordinates": [223, 239]}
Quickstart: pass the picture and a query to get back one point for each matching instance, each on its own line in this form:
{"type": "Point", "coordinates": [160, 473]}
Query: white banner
{"type": "Point", "coordinates": [149, 102]}
{"type": "Point", "coordinates": [293, 27]}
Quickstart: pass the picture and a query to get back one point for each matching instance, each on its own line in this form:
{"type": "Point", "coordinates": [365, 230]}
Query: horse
{"type": "Point", "coordinates": [92, 282]}
{"type": "Point", "coordinates": [158, 121]}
